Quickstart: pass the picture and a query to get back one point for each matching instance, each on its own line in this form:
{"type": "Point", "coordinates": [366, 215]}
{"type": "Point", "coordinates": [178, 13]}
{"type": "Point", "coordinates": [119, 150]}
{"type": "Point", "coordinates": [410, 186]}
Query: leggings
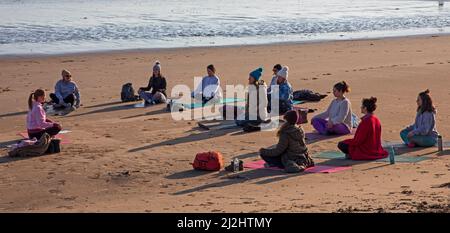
{"type": "Point", "coordinates": [273, 161]}
{"type": "Point", "coordinates": [419, 140]}
{"type": "Point", "coordinates": [52, 131]}
{"type": "Point", "coordinates": [158, 97]}
{"type": "Point", "coordinates": [344, 147]}
{"type": "Point", "coordinates": [321, 126]}
{"type": "Point", "coordinates": [70, 99]}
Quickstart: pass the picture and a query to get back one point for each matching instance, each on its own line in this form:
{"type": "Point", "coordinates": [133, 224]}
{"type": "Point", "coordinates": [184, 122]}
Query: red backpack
{"type": "Point", "coordinates": [209, 161]}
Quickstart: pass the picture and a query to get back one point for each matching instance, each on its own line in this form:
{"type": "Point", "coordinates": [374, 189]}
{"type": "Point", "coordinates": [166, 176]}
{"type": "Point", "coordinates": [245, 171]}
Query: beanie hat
{"type": "Point", "coordinates": [284, 72]}
{"type": "Point", "coordinates": [157, 66]}
{"type": "Point", "coordinates": [291, 117]}
{"type": "Point", "coordinates": [257, 73]}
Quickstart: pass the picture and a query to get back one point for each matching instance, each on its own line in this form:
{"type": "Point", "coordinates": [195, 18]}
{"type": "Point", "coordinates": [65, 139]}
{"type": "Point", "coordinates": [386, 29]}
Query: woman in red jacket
{"type": "Point", "coordinates": [366, 145]}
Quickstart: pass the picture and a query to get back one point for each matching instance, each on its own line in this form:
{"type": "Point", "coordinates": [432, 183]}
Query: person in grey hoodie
{"type": "Point", "coordinates": [423, 132]}
{"type": "Point", "coordinates": [66, 92]}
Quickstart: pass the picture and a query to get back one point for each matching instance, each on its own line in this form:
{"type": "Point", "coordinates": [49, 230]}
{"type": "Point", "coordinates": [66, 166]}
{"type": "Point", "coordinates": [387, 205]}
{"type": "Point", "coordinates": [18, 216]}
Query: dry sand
{"type": "Point", "coordinates": [137, 160]}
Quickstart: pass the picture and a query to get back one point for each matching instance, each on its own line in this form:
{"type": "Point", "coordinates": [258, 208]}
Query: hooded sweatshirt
{"type": "Point", "coordinates": [209, 87]}
{"type": "Point", "coordinates": [424, 125]}
{"type": "Point", "coordinates": [291, 146]}
{"type": "Point", "coordinates": [36, 118]}
{"type": "Point", "coordinates": [339, 111]}
{"type": "Point", "coordinates": [64, 89]}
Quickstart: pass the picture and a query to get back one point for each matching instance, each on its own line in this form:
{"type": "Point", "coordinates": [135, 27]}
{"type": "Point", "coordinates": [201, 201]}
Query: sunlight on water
{"type": "Point", "coordinates": [60, 26]}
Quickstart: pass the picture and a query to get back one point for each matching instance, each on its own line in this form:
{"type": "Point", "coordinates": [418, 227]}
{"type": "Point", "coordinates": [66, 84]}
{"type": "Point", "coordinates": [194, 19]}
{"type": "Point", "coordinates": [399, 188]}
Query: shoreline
{"type": "Point", "coordinates": [169, 49]}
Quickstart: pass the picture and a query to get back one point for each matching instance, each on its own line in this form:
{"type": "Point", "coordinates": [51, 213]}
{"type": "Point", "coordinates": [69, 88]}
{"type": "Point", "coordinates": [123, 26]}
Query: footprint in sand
{"type": "Point", "coordinates": [429, 63]}
{"type": "Point", "coordinates": [65, 207]}
{"type": "Point", "coordinates": [407, 192]}
{"type": "Point", "coordinates": [54, 191]}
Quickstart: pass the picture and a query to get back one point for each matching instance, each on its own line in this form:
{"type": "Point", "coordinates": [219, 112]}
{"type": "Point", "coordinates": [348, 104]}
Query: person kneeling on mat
{"type": "Point", "coordinates": [66, 93]}
{"type": "Point", "coordinates": [155, 92]}
{"type": "Point", "coordinates": [291, 152]}
{"type": "Point", "coordinates": [37, 122]}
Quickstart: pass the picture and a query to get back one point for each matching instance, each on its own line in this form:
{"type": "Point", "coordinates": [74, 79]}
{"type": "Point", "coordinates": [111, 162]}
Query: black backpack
{"type": "Point", "coordinates": [128, 93]}
{"type": "Point", "coordinates": [54, 146]}
{"type": "Point", "coordinates": [307, 95]}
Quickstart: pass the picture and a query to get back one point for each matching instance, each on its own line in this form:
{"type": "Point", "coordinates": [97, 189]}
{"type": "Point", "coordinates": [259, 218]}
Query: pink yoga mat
{"type": "Point", "coordinates": [58, 136]}
{"type": "Point", "coordinates": [316, 169]}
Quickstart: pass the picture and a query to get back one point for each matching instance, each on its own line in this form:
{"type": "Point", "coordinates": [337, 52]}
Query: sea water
{"type": "Point", "coordinates": [66, 26]}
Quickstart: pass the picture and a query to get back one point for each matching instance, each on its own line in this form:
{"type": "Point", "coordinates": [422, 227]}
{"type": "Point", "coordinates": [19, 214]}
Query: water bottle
{"type": "Point", "coordinates": [235, 165]}
{"type": "Point", "coordinates": [392, 155]}
{"type": "Point", "coordinates": [439, 142]}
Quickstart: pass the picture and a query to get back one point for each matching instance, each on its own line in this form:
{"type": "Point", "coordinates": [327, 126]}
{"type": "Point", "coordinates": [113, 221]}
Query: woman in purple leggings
{"type": "Point", "coordinates": [337, 119]}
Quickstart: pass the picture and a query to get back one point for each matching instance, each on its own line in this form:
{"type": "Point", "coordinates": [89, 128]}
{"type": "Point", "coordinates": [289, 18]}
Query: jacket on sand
{"type": "Point", "coordinates": [37, 149]}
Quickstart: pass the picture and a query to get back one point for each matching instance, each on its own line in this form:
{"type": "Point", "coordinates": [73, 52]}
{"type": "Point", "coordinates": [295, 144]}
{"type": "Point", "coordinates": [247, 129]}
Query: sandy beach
{"type": "Point", "coordinates": [123, 159]}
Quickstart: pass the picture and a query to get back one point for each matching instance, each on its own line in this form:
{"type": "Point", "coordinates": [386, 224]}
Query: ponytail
{"type": "Point", "coordinates": [30, 101]}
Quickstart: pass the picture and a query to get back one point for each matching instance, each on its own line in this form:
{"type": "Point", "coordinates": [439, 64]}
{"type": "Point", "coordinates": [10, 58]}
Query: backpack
{"type": "Point", "coordinates": [307, 95]}
{"type": "Point", "coordinates": [128, 93]}
{"type": "Point", "coordinates": [54, 146]}
{"type": "Point", "coordinates": [208, 161]}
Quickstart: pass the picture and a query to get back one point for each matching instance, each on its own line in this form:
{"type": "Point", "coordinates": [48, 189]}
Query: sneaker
{"type": "Point", "coordinates": [411, 145]}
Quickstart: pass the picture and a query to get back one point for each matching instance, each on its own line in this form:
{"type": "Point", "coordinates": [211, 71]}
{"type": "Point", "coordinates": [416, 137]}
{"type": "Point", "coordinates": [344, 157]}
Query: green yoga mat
{"type": "Point", "coordinates": [398, 158]}
{"type": "Point", "coordinates": [199, 105]}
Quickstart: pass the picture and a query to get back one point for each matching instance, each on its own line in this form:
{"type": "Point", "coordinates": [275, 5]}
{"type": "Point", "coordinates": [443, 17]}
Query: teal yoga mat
{"type": "Point", "coordinates": [199, 105]}
{"type": "Point", "coordinates": [398, 158]}
{"type": "Point", "coordinates": [298, 102]}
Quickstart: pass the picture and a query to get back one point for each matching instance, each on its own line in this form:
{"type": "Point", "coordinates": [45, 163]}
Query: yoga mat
{"type": "Point", "coordinates": [58, 136]}
{"type": "Point", "coordinates": [398, 158]}
{"type": "Point", "coordinates": [140, 105]}
{"type": "Point", "coordinates": [200, 105]}
{"type": "Point", "coordinates": [316, 169]}
{"type": "Point", "coordinates": [399, 144]}
{"type": "Point", "coordinates": [298, 102]}
{"type": "Point", "coordinates": [220, 125]}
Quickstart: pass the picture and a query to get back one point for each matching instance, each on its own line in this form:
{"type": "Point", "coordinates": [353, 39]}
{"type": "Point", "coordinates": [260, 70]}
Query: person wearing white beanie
{"type": "Point", "coordinates": [285, 96]}
{"type": "Point", "coordinates": [155, 92]}
{"type": "Point", "coordinates": [284, 72]}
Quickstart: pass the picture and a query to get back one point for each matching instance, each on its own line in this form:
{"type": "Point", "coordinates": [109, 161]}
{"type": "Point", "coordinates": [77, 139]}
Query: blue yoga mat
{"type": "Point", "coordinates": [199, 105]}
{"type": "Point", "coordinates": [398, 158]}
